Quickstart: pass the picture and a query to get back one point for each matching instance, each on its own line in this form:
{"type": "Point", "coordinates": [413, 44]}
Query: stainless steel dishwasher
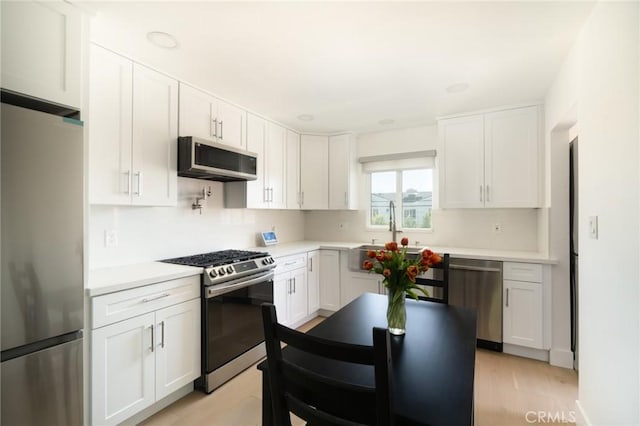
{"type": "Point", "coordinates": [477, 284]}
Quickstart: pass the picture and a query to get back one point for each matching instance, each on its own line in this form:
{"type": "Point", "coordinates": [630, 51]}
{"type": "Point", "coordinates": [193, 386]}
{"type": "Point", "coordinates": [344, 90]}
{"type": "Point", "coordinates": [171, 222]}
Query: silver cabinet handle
{"type": "Point", "coordinates": [290, 286]}
{"type": "Point", "coordinates": [488, 197]}
{"type": "Point", "coordinates": [265, 195]}
{"type": "Point", "coordinates": [152, 339]}
{"type": "Point", "coordinates": [271, 190]}
{"type": "Point", "coordinates": [507, 298]}
{"type": "Point", "coordinates": [481, 192]}
{"type": "Point", "coordinates": [162, 335]}
{"type": "Point", "coordinates": [215, 128]}
{"type": "Point", "coordinates": [128, 190]}
{"type": "Point", "coordinates": [221, 129]}
{"type": "Point", "coordinates": [346, 199]}
{"type": "Point", "coordinates": [294, 284]}
{"type": "Point", "coordinates": [151, 299]}
{"type": "Point", "coordinates": [311, 265]}
{"type": "Point", "coordinates": [302, 198]}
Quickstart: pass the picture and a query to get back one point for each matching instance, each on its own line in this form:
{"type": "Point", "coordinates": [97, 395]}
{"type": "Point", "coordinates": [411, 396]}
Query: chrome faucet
{"type": "Point", "coordinates": [392, 220]}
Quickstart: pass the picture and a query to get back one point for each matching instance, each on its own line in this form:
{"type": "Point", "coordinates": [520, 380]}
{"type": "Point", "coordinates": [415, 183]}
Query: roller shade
{"type": "Point", "coordinates": [404, 161]}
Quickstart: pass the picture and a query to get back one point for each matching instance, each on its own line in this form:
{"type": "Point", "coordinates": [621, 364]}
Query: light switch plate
{"type": "Point", "coordinates": [593, 227]}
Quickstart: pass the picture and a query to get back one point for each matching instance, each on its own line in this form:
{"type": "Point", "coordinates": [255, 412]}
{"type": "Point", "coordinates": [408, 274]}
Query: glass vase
{"type": "Point", "coordinates": [396, 313]}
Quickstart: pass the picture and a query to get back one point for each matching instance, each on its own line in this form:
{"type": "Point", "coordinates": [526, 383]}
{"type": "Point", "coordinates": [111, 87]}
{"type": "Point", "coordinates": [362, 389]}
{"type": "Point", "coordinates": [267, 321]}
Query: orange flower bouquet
{"type": "Point", "coordinates": [400, 274]}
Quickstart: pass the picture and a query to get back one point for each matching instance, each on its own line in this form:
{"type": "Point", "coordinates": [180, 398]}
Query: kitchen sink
{"type": "Point", "coordinates": [359, 254]}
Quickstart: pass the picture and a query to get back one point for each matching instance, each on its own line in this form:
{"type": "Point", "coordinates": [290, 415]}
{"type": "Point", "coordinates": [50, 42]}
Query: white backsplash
{"type": "Point", "coordinates": [154, 233]}
{"type": "Point", "coordinates": [472, 228]}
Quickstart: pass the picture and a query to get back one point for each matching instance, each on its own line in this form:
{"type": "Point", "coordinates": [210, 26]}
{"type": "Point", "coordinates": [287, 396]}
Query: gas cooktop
{"type": "Point", "coordinates": [225, 265]}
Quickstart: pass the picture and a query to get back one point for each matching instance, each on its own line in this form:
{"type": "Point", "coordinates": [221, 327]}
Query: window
{"type": "Point", "coordinates": [410, 190]}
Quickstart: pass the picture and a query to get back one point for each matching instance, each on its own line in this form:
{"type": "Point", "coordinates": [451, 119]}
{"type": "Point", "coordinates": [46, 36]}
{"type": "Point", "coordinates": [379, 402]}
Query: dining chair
{"type": "Point", "coordinates": [321, 400]}
{"type": "Point", "coordinates": [439, 280]}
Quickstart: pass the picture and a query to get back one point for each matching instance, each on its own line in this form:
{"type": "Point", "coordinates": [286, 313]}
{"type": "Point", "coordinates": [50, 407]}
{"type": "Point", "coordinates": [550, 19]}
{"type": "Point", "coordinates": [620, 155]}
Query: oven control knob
{"type": "Point", "coordinates": [271, 260]}
{"type": "Point", "coordinates": [265, 261]}
{"type": "Point", "coordinates": [230, 269]}
{"type": "Point", "coordinates": [213, 273]}
{"type": "Point", "coordinates": [221, 271]}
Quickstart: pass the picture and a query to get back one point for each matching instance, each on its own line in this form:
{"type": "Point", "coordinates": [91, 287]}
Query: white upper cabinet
{"type": "Point", "coordinates": [41, 50]}
{"type": "Point", "coordinates": [132, 133]}
{"type": "Point", "coordinates": [491, 160]}
{"type": "Point", "coordinates": [276, 170]}
{"type": "Point", "coordinates": [268, 141]}
{"type": "Point", "coordinates": [314, 172]}
{"type": "Point", "coordinates": [293, 170]}
{"type": "Point", "coordinates": [203, 115]}
{"type": "Point", "coordinates": [342, 173]}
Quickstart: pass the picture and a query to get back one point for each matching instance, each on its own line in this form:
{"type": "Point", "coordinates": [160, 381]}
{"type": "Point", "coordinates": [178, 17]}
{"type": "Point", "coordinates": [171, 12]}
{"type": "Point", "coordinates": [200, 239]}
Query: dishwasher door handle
{"type": "Point", "coordinates": [474, 268]}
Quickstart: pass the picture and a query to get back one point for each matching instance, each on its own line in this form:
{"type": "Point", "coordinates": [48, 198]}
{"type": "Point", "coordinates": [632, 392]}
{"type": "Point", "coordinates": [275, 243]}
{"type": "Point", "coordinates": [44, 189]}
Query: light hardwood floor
{"type": "Point", "coordinates": [506, 389]}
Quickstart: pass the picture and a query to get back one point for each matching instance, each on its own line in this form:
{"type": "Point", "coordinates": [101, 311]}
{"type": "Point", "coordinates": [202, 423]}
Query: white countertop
{"type": "Point", "coordinates": [117, 278]}
{"type": "Point", "coordinates": [286, 249]}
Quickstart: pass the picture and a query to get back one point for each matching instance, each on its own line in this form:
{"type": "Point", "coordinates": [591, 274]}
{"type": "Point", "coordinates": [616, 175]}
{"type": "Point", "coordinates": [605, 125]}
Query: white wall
{"type": "Point", "coordinates": [451, 227]}
{"type": "Point", "coordinates": [154, 233]}
{"type": "Point", "coordinates": [602, 78]}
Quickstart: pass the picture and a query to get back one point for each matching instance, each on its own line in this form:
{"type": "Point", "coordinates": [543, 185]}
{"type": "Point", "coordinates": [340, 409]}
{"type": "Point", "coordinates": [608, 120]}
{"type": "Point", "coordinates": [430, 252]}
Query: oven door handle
{"type": "Point", "coordinates": [214, 291]}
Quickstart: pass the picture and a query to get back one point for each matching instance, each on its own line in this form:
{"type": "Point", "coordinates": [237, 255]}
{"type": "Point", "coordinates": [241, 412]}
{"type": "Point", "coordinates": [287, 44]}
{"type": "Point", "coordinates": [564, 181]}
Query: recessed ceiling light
{"type": "Point", "coordinates": [457, 88]}
{"type": "Point", "coordinates": [162, 39]}
{"type": "Point", "coordinates": [305, 117]}
{"type": "Point", "coordinates": [386, 122]}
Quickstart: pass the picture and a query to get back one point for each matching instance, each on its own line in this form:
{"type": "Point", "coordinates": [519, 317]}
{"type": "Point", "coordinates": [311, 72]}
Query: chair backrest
{"type": "Point", "coordinates": [322, 400]}
{"type": "Point", "coordinates": [442, 282]}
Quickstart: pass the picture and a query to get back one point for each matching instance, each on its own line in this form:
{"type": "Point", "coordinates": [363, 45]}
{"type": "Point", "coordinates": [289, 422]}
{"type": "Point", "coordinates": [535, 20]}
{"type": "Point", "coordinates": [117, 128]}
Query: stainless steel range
{"type": "Point", "coordinates": [234, 285]}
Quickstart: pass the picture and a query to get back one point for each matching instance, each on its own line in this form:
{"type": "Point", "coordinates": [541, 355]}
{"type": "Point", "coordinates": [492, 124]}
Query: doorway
{"type": "Point", "coordinates": [573, 246]}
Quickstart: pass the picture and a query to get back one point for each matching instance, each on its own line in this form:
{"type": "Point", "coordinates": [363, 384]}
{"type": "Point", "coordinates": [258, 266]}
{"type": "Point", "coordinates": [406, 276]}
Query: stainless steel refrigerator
{"type": "Point", "coordinates": [42, 264]}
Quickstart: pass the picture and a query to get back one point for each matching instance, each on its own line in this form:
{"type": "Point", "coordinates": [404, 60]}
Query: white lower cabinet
{"type": "Point", "coordinates": [330, 280]}
{"type": "Point", "coordinates": [523, 312]}
{"type": "Point", "coordinates": [290, 289]}
{"type": "Point", "coordinates": [358, 284]}
{"type": "Point", "coordinates": [313, 281]}
{"type": "Point", "coordinates": [142, 359]}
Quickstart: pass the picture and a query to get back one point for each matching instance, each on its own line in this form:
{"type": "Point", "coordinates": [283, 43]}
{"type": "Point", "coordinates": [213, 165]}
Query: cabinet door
{"type": "Point", "coordinates": [512, 158]}
{"type": "Point", "coordinates": [256, 138]}
{"type": "Point", "coordinates": [462, 162]}
{"type": "Point", "coordinates": [298, 304]}
{"type": "Point", "coordinates": [110, 127]}
{"type": "Point", "coordinates": [281, 290]}
{"type": "Point", "coordinates": [122, 369]}
{"type": "Point", "coordinates": [155, 132]}
{"type": "Point", "coordinates": [41, 50]}
{"type": "Point", "coordinates": [359, 284]}
{"type": "Point", "coordinates": [314, 172]}
{"type": "Point", "coordinates": [276, 158]}
{"type": "Point", "coordinates": [339, 172]}
{"type": "Point", "coordinates": [313, 281]}
{"type": "Point", "coordinates": [177, 347]}
{"type": "Point", "coordinates": [231, 121]}
{"type": "Point", "coordinates": [292, 181]}
{"type": "Point", "coordinates": [330, 280]}
{"type": "Point", "coordinates": [523, 322]}
{"type": "Point", "coordinates": [195, 113]}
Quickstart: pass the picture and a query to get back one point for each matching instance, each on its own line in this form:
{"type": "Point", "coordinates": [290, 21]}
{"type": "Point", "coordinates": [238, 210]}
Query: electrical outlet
{"type": "Point", "coordinates": [110, 238]}
{"type": "Point", "coordinates": [497, 228]}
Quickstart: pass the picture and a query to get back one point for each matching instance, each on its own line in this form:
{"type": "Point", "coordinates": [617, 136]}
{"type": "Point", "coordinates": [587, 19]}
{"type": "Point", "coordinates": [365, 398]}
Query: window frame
{"type": "Point", "coordinates": [398, 201]}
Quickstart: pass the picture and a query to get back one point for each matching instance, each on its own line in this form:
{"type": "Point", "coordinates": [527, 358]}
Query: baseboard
{"type": "Point", "coordinates": [539, 354]}
{"type": "Point", "coordinates": [561, 358]}
{"type": "Point", "coordinates": [581, 416]}
{"type": "Point", "coordinates": [159, 405]}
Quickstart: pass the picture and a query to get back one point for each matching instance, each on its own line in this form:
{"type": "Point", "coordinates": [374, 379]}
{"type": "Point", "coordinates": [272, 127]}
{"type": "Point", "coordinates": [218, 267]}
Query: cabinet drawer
{"type": "Point", "coordinates": [125, 304]}
{"type": "Point", "coordinates": [289, 263]}
{"type": "Point", "coordinates": [516, 271]}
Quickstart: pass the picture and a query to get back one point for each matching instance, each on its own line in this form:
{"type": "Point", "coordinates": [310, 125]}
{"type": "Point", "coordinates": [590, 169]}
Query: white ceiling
{"type": "Point", "coordinates": [352, 64]}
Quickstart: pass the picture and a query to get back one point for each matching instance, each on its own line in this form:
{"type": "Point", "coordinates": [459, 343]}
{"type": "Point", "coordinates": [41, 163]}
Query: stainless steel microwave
{"type": "Point", "coordinates": [203, 159]}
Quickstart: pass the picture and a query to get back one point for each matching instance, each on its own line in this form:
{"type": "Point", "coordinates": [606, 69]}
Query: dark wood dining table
{"type": "Point", "coordinates": [433, 363]}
